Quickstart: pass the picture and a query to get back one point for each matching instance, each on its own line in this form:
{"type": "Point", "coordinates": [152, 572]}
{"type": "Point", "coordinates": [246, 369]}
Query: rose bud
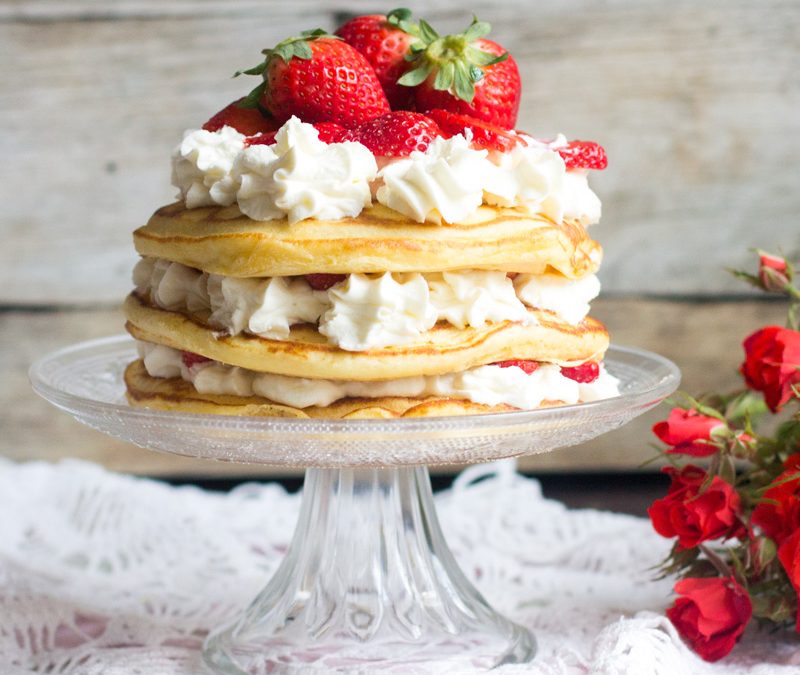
{"type": "Point", "coordinates": [712, 614]}
{"type": "Point", "coordinates": [688, 432]}
{"type": "Point", "coordinates": [772, 364]}
{"type": "Point", "coordinates": [772, 272]}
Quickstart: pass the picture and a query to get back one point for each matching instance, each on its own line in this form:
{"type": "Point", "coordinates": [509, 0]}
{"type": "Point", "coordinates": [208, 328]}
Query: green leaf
{"type": "Point", "coordinates": [477, 29]}
{"type": "Point", "coordinates": [444, 77]}
{"type": "Point", "coordinates": [481, 58]}
{"type": "Point", "coordinates": [427, 33]}
{"type": "Point", "coordinates": [255, 70]}
{"type": "Point", "coordinates": [417, 76]}
{"type": "Point", "coordinates": [475, 74]}
{"type": "Point", "coordinates": [252, 99]}
{"type": "Point", "coordinates": [397, 15]}
{"type": "Point", "coordinates": [463, 86]}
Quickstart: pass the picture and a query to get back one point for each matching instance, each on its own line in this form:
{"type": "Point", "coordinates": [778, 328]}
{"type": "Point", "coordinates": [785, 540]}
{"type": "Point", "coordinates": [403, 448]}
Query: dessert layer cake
{"type": "Point", "coordinates": [330, 257]}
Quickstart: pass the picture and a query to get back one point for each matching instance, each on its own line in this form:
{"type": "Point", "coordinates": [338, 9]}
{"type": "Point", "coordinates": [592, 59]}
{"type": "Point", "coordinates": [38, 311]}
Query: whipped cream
{"type": "Point", "coordinates": [300, 177]}
{"type": "Point", "coordinates": [369, 312]}
{"type": "Point", "coordinates": [578, 200]}
{"type": "Point", "coordinates": [264, 307]}
{"type": "Point", "coordinates": [568, 298]}
{"type": "Point", "coordinates": [303, 177]}
{"type": "Point", "coordinates": [445, 182]}
{"type": "Point", "coordinates": [490, 385]}
{"type": "Point", "coordinates": [364, 311]}
{"type": "Point", "coordinates": [202, 165]}
{"type": "Point", "coordinates": [530, 176]}
{"type": "Point", "coordinates": [475, 298]}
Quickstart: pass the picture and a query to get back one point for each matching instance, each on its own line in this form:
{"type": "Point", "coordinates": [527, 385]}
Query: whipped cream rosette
{"type": "Point", "coordinates": [316, 270]}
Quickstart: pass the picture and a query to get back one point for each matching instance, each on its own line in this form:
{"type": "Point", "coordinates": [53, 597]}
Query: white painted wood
{"type": "Point", "coordinates": [696, 103]}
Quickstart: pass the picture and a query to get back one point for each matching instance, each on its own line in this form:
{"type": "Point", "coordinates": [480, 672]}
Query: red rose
{"type": "Point", "coordinates": [789, 555]}
{"type": "Point", "coordinates": [693, 515]}
{"type": "Point", "coordinates": [779, 514]}
{"type": "Point", "coordinates": [712, 615]}
{"type": "Point", "coordinates": [688, 432]}
{"type": "Point", "coordinates": [772, 272]}
{"type": "Point", "coordinates": [772, 364]}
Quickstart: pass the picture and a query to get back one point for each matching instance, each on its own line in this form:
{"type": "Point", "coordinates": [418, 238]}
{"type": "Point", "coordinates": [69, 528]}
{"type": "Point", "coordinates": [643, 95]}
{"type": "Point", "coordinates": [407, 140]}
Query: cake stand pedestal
{"type": "Point", "coordinates": [368, 582]}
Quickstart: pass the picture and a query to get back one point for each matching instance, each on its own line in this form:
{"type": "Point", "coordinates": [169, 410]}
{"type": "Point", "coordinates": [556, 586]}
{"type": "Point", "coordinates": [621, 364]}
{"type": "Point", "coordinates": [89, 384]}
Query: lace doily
{"type": "Point", "coordinates": [107, 574]}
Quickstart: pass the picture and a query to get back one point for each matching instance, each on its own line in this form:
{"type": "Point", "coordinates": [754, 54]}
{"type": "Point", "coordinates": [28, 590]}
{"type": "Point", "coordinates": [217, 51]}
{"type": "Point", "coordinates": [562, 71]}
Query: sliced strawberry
{"type": "Point", "coordinates": [267, 138]}
{"type": "Point", "coordinates": [329, 132]}
{"type": "Point", "coordinates": [191, 359]}
{"type": "Point", "coordinates": [584, 155]}
{"type": "Point", "coordinates": [247, 121]}
{"type": "Point", "coordinates": [526, 365]}
{"type": "Point", "coordinates": [584, 373]}
{"type": "Point", "coordinates": [384, 42]}
{"type": "Point", "coordinates": [322, 282]}
{"type": "Point", "coordinates": [397, 134]}
{"type": "Point", "coordinates": [484, 135]}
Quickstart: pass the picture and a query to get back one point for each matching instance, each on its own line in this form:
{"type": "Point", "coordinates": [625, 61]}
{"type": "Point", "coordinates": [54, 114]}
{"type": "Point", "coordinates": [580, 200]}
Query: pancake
{"type": "Point", "coordinates": [443, 349]}
{"type": "Point", "coordinates": [221, 240]}
{"type": "Point", "coordinates": [177, 395]}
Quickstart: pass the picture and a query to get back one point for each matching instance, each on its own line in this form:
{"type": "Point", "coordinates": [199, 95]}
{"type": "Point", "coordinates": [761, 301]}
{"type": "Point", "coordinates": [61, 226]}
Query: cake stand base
{"type": "Point", "coordinates": [368, 583]}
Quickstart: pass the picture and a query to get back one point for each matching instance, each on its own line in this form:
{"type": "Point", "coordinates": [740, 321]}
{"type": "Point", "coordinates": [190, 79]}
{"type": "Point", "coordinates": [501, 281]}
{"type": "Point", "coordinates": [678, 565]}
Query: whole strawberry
{"type": "Point", "coordinates": [397, 133]}
{"type": "Point", "coordinates": [466, 74]}
{"type": "Point", "coordinates": [247, 121]}
{"type": "Point", "coordinates": [384, 42]}
{"type": "Point", "coordinates": [319, 78]}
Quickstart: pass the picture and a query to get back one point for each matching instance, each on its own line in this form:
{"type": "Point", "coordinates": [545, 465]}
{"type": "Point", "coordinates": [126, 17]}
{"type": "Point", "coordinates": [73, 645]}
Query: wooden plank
{"type": "Point", "coordinates": [696, 105]}
{"type": "Point", "coordinates": [703, 338]}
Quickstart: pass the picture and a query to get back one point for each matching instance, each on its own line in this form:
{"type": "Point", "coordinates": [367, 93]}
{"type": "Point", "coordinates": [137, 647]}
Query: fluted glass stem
{"type": "Point", "coordinates": [368, 583]}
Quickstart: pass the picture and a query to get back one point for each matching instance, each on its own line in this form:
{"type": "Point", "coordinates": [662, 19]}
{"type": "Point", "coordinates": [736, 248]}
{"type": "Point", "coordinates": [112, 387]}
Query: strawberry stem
{"type": "Point", "coordinates": [457, 63]}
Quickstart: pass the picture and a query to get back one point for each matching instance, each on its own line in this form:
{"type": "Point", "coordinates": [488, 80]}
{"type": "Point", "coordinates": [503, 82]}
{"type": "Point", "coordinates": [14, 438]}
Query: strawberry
{"type": "Point", "coordinates": [484, 135]}
{"type": "Point", "coordinates": [464, 73]}
{"type": "Point", "coordinates": [247, 121]}
{"type": "Point", "coordinates": [583, 155]}
{"type": "Point", "coordinates": [329, 132]}
{"type": "Point", "coordinates": [191, 359]}
{"type": "Point", "coordinates": [526, 365]}
{"type": "Point", "coordinates": [584, 373]}
{"type": "Point", "coordinates": [397, 133]}
{"type": "Point", "coordinates": [319, 78]}
{"type": "Point", "coordinates": [322, 282]}
{"type": "Point", "coordinates": [384, 42]}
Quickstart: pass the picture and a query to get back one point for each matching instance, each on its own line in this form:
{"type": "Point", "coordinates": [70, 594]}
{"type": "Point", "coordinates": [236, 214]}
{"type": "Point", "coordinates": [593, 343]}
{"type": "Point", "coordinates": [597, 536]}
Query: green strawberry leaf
{"type": "Point", "coordinates": [477, 29]}
{"type": "Point", "coordinates": [445, 76]}
{"type": "Point", "coordinates": [463, 83]}
{"type": "Point", "coordinates": [417, 76]}
{"type": "Point", "coordinates": [427, 33]}
{"type": "Point", "coordinates": [252, 99]}
{"type": "Point", "coordinates": [255, 70]}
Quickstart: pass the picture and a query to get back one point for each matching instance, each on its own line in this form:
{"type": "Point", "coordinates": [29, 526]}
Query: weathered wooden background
{"type": "Point", "coordinates": [696, 102]}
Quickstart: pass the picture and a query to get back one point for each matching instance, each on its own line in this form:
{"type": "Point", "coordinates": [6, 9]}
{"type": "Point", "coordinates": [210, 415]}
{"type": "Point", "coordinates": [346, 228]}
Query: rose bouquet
{"type": "Point", "coordinates": [736, 518]}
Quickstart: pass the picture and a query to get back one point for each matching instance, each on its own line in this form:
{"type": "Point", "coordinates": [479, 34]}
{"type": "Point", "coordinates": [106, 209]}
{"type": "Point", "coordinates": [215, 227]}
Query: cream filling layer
{"type": "Point", "coordinates": [363, 311]}
{"type": "Point", "coordinates": [490, 385]}
{"type": "Point", "coordinates": [300, 177]}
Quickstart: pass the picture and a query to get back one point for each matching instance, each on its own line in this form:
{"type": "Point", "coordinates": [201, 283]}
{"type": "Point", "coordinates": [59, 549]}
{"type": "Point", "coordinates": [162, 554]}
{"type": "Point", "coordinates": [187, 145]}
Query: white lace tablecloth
{"type": "Point", "coordinates": [107, 574]}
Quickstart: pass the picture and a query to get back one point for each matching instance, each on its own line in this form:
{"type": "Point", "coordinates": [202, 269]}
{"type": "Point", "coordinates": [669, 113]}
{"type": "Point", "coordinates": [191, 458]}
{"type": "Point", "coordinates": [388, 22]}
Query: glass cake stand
{"type": "Point", "coordinates": [368, 582]}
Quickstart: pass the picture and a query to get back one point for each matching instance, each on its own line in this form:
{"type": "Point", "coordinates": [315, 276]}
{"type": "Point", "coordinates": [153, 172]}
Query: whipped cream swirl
{"type": "Point", "coordinates": [445, 182]}
{"type": "Point", "coordinates": [377, 312]}
{"type": "Point", "coordinates": [202, 165]}
{"type": "Point", "coordinates": [302, 177]}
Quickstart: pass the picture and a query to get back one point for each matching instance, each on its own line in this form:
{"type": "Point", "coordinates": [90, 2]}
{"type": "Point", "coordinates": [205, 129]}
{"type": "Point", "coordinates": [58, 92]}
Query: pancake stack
{"type": "Point", "coordinates": [369, 314]}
